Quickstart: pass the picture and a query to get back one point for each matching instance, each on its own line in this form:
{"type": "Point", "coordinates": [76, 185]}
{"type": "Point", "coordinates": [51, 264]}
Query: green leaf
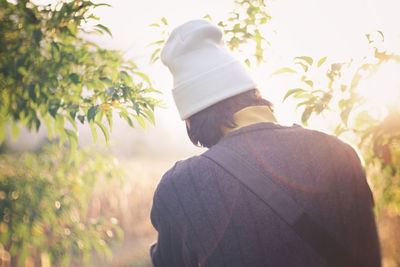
{"type": "Point", "coordinates": [307, 102]}
{"type": "Point", "coordinates": [154, 57]}
{"type": "Point", "coordinates": [342, 103]}
{"type": "Point", "coordinates": [73, 140]}
{"type": "Point", "coordinates": [48, 122]}
{"type": "Point", "coordinates": [355, 81]}
{"type": "Point", "coordinates": [309, 60]}
{"type": "Point", "coordinates": [108, 253]}
{"type": "Point", "coordinates": [309, 82]}
{"type": "Point", "coordinates": [306, 115]}
{"type": "Point", "coordinates": [304, 66]}
{"type": "Point", "coordinates": [102, 4]}
{"type": "Point", "coordinates": [54, 105]}
{"type": "Point", "coordinates": [207, 16]}
{"type": "Point", "coordinates": [321, 61]}
{"type": "Point", "coordinates": [93, 17]}
{"type": "Point", "coordinates": [154, 25]}
{"type": "Point", "coordinates": [100, 114]}
{"type": "Point", "coordinates": [141, 121]}
{"type": "Point", "coordinates": [381, 33]}
{"type": "Point", "coordinates": [344, 115]}
{"type": "Point", "coordinates": [293, 91]}
{"type": "Point", "coordinates": [32, 92]}
{"type": "Point", "coordinates": [159, 42]}
{"type": "Point", "coordinates": [59, 124]}
{"type": "Point", "coordinates": [125, 77]}
{"type": "Point", "coordinates": [164, 20]}
{"type": "Point", "coordinates": [283, 70]}
{"type": "Point", "coordinates": [339, 130]}
{"type": "Point", "coordinates": [144, 77]}
{"type": "Point", "coordinates": [73, 109]}
{"type": "Point", "coordinates": [120, 233]}
{"type": "Point", "coordinates": [104, 28]}
{"type": "Point", "coordinates": [37, 35]}
{"type": "Point", "coordinates": [63, 138]}
{"type": "Point", "coordinates": [137, 108]}
{"type": "Point", "coordinates": [55, 45]}
{"type": "Point", "coordinates": [22, 71]}
{"type": "Point", "coordinates": [364, 119]}
{"type": "Point", "coordinates": [73, 122]}
{"type": "Point", "coordinates": [81, 118]}
{"type": "Point", "coordinates": [150, 116]}
{"type": "Point", "coordinates": [37, 123]}
{"type": "Point", "coordinates": [104, 130]}
{"type": "Point", "coordinates": [309, 96]}
{"type": "Point", "coordinates": [125, 115]}
{"type": "Point", "coordinates": [151, 90]}
{"type": "Point", "coordinates": [106, 80]}
{"type": "Point", "coordinates": [319, 91]}
{"type": "Point", "coordinates": [109, 117]}
{"type": "Point", "coordinates": [94, 131]}
{"type": "Point", "coordinates": [92, 113]}
{"type": "Point", "coordinates": [74, 78]}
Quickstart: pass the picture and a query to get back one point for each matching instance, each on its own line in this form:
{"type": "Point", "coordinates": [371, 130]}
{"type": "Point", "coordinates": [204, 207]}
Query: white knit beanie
{"type": "Point", "coordinates": [203, 70]}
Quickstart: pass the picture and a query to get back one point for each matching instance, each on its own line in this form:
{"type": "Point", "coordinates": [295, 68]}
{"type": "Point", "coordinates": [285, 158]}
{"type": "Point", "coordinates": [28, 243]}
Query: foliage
{"type": "Point", "coordinates": [242, 27]}
{"type": "Point", "coordinates": [50, 74]}
{"type": "Point", "coordinates": [43, 208]}
{"type": "Point", "coordinates": [386, 186]}
{"type": "Point", "coordinates": [164, 33]}
{"type": "Point", "coordinates": [338, 88]}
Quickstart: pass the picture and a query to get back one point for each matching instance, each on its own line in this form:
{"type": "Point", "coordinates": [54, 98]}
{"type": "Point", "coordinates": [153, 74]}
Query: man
{"type": "Point", "coordinates": [263, 194]}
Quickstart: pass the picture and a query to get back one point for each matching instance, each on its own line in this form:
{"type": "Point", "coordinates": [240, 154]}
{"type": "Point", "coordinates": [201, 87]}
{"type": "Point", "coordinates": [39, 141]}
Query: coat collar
{"type": "Point", "coordinates": [250, 115]}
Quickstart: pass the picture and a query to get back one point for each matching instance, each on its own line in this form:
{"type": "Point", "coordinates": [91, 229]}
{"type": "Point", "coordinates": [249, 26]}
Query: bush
{"type": "Point", "coordinates": [43, 207]}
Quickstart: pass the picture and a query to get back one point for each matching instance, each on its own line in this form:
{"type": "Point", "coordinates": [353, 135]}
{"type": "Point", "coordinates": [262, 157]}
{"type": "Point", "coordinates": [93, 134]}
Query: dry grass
{"type": "Point", "coordinates": [129, 201]}
{"type": "Point", "coordinates": [389, 234]}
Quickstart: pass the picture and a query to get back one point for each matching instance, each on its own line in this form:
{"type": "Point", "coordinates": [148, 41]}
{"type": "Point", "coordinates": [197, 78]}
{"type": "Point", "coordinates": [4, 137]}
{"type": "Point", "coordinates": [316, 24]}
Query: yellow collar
{"type": "Point", "coordinates": [250, 115]}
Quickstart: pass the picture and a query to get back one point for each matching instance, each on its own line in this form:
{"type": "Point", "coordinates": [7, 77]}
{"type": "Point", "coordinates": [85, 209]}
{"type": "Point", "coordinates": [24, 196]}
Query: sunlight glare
{"type": "Point", "coordinates": [383, 87]}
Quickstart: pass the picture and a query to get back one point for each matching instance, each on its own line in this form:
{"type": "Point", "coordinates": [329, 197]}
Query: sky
{"type": "Point", "coordinates": [298, 28]}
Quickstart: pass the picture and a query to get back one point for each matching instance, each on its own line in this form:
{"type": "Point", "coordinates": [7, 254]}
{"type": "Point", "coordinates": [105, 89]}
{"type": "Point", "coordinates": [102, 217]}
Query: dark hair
{"type": "Point", "coordinates": [205, 126]}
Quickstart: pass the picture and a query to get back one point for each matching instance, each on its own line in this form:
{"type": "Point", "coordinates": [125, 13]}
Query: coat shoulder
{"type": "Point", "coordinates": [180, 174]}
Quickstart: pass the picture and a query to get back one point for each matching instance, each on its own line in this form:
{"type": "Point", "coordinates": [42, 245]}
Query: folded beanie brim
{"type": "Point", "coordinates": [211, 87]}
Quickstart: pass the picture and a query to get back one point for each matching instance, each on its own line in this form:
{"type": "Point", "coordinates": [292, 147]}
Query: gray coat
{"type": "Point", "coordinates": [205, 216]}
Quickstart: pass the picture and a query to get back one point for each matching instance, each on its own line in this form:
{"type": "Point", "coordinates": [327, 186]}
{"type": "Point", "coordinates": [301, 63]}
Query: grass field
{"type": "Point", "coordinates": [129, 200]}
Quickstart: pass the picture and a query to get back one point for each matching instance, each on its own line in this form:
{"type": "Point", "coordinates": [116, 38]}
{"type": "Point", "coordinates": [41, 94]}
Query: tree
{"type": "Point", "coordinates": [50, 74]}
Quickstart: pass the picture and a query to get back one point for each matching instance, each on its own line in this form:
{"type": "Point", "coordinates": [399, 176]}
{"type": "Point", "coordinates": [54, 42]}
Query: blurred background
{"type": "Point", "coordinates": [76, 187]}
